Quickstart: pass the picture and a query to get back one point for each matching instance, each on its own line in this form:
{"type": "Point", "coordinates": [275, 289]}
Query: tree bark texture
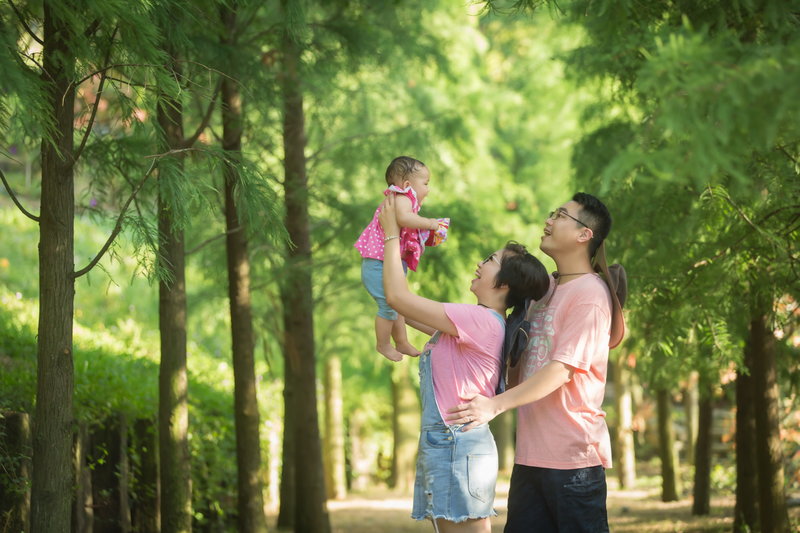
{"type": "Point", "coordinates": [83, 510]}
{"type": "Point", "coordinates": [335, 476]}
{"type": "Point", "coordinates": [745, 517]}
{"type": "Point", "coordinates": [405, 425]}
{"type": "Point", "coordinates": [15, 464]}
{"type": "Point", "coordinates": [701, 504]}
{"type": "Point", "coordinates": [250, 499]}
{"type": "Point", "coordinates": [288, 488]}
{"type": "Point", "coordinates": [173, 402]}
{"type": "Point", "coordinates": [311, 514]}
{"type": "Point", "coordinates": [769, 448]}
{"type": "Point", "coordinates": [625, 459]}
{"type": "Point", "coordinates": [690, 401]}
{"type": "Point", "coordinates": [53, 475]}
{"type": "Point", "coordinates": [666, 440]}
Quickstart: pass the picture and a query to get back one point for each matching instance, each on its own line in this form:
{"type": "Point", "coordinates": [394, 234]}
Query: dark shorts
{"type": "Point", "coordinates": [546, 500]}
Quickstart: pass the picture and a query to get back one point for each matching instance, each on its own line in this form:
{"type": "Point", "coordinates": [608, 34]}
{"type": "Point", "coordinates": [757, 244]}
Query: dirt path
{"type": "Point", "coordinates": [632, 511]}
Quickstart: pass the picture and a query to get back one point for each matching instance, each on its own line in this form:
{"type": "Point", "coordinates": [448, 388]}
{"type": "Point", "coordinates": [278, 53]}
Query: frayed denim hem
{"type": "Point", "coordinates": [431, 516]}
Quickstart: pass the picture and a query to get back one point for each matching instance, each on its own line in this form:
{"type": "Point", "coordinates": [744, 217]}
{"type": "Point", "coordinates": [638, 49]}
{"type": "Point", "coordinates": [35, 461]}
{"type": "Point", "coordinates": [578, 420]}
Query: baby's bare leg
{"type": "Point", "coordinates": [383, 339]}
{"type": "Point", "coordinates": [400, 337]}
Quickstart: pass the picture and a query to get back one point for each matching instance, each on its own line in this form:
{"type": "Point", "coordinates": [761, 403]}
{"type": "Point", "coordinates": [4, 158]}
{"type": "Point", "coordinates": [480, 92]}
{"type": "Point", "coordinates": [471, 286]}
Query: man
{"type": "Point", "coordinates": [563, 447]}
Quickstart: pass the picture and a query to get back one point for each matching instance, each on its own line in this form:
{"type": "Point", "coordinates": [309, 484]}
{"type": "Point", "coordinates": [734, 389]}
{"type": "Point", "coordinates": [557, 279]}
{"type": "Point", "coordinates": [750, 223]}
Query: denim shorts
{"type": "Point", "coordinates": [547, 500]}
{"type": "Point", "coordinates": [456, 473]}
{"type": "Point", "coordinates": [372, 278]}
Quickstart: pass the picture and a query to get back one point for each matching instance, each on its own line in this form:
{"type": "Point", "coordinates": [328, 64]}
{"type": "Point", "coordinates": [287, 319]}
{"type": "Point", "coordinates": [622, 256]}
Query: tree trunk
{"type": "Point", "coordinates": [769, 452]}
{"type": "Point", "coordinates": [15, 499]}
{"type": "Point", "coordinates": [53, 478]}
{"type": "Point", "coordinates": [145, 515]}
{"type": "Point", "coordinates": [311, 514]}
{"type": "Point", "coordinates": [745, 516]}
{"type": "Point", "coordinates": [288, 490]}
{"type": "Point", "coordinates": [690, 401]}
{"type": "Point", "coordinates": [666, 439]}
{"type": "Point", "coordinates": [405, 423]}
{"type": "Point", "coordinates": [701, 504]}
{"type": "Point", "coordinates": [625, 457]}
{"type": "Point", "coordinates": [250, 501]}
{"type": "Point", "coordinates": [173, 401]}
{"type": "Point", "coordinates": [502, 428]}
{"type": "Point", "coordinates": [83, 511]}
{"type": "Point", "coordinates": [334, 430]}
{"type": "Point", "coordinates": [362, 461]}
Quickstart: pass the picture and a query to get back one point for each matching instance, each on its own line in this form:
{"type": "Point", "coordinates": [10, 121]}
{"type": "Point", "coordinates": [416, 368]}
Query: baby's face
{"type": "Point", "coordinates": [419, 182]}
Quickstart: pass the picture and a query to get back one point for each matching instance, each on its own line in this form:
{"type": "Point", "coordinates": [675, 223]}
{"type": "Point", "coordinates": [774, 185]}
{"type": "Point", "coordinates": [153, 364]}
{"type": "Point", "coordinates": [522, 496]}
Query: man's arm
{"type": "Point", "coordinates": [481, 409]}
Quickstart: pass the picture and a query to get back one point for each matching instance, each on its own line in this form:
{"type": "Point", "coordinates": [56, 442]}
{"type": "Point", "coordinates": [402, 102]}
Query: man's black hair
{"type": "Point", "coordinates": [594, 214]}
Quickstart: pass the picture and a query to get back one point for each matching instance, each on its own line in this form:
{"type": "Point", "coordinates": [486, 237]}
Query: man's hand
{"type": "Point", "coordinates": [480, 410]}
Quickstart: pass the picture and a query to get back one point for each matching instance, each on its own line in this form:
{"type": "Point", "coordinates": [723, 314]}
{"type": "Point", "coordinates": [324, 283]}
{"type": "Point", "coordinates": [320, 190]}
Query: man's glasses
{"type": "Point", "coordinates": [491, 258]}
{"type": "Point", "coordinates": [563, 212]}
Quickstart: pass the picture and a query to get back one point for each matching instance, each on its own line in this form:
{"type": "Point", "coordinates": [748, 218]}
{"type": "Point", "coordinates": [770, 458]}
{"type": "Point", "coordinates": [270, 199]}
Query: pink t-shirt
{"type": "Point", "coordinates": [465, 366]}
{"type": "Point", "coordinates": [567, 429]}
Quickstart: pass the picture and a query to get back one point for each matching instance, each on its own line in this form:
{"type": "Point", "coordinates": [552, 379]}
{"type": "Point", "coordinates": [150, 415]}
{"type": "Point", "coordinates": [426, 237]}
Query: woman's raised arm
{"type": "Point", "coordinates": [398, 295]}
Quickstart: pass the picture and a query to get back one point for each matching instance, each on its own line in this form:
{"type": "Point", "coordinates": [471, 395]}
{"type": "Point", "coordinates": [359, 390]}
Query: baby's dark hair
{"type": "Point", "coordinates": [527, 280]}
{"type": "Point", "coordinates": [400, 167]}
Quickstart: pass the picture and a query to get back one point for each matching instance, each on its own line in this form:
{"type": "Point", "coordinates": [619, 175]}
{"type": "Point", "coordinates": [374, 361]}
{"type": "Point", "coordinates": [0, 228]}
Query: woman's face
{"type": "Point", "coordinates": [487, 272]}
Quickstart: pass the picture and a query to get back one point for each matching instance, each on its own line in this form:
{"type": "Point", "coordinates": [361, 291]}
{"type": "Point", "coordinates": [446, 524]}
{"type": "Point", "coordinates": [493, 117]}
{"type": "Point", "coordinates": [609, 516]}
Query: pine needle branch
{"type": "Point", "coordinates": [15, 200]}
{"type": "Point", "coordinates": [25, 24]}
{"type": "Point", "coordinates": [214, 238]}
{"type": "Point", "coordinates": [118, 225]}
{"type": "Point", "coordinates": [103, 77]}
{"type": "Point", "coordinates": [187, 143]}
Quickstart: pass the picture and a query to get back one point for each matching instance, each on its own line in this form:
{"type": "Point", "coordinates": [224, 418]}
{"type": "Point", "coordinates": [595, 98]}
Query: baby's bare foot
{"type": "Point", "coordinates": [388, 351]}
{"type": "Point", "coordinates": [408, 349]}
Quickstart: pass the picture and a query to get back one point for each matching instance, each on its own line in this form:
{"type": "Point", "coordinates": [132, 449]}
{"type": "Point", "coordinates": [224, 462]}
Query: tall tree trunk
{"type": "Point", "coordinates": [626, 458]}
{"type": "Point", "coordinates": [701, 504]}
{"type": "Point", "coordinates": [745, 517]}
{"type": "Point", "coordinates": [173, 401]}
{"type": "Point", "coordinates": [405, 425]}
{"type": "Point", "coordinates": [690, 401]}
{"type": "Point", "coordinates": [311, 514]}
{"type": "Point", "coordinates": [53, 478]}
{"type": "Point", "coordinates": [334, 430]}
{"type": "Point", "coordinates": [83, 510]}
{"type": "Point", "coordinates": [250, 499]}
{"type": "Point", "coordinates": [769, 452]}
{"type": "Point", "coordinates": [288, 490]}
{"type": "Point", "coordinates": [666, 439]}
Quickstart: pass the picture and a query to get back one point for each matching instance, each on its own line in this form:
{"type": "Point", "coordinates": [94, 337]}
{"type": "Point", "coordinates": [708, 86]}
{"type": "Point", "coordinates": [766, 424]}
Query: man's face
{"type": "Point", "coordinates": [563, 229]}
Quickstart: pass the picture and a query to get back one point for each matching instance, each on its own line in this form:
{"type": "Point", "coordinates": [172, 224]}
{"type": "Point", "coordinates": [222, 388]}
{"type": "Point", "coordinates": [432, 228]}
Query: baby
{"type": "Point", "coordinates": [408, 179]}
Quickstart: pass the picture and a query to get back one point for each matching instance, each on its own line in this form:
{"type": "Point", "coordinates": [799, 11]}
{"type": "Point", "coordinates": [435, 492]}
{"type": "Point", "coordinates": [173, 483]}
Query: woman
{"type": "Point", "coordinates": [457, 471]}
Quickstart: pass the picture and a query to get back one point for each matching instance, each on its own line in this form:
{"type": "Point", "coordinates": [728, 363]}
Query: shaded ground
{"type": "Point", "coordinates": [639, 511]}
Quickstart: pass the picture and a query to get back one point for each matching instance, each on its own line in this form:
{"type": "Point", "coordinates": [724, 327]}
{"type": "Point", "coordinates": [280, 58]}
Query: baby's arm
{"type": "Point", "coordinates": [406, 218]}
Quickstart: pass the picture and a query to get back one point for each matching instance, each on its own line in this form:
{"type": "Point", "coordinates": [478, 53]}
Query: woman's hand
{"type": "Point", "coordinates": [480, 410]}
{"type": "Point", "coordinates": [388, 217]}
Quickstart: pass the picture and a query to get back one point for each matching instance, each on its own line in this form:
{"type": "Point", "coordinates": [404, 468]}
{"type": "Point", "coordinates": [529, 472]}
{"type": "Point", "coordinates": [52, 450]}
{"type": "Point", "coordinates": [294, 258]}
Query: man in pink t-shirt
{"type": "Point", "coordinates": [563, 448]}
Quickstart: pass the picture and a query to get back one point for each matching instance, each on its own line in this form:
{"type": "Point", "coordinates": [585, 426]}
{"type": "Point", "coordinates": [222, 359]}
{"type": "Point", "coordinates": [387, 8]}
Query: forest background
{"type": "Point", "coordinates": [189, 345]}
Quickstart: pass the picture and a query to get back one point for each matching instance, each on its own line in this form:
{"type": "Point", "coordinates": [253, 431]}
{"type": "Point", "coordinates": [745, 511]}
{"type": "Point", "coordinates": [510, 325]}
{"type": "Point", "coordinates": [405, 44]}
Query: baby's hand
{"type": "Point", "coordinates": [439, 235]}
